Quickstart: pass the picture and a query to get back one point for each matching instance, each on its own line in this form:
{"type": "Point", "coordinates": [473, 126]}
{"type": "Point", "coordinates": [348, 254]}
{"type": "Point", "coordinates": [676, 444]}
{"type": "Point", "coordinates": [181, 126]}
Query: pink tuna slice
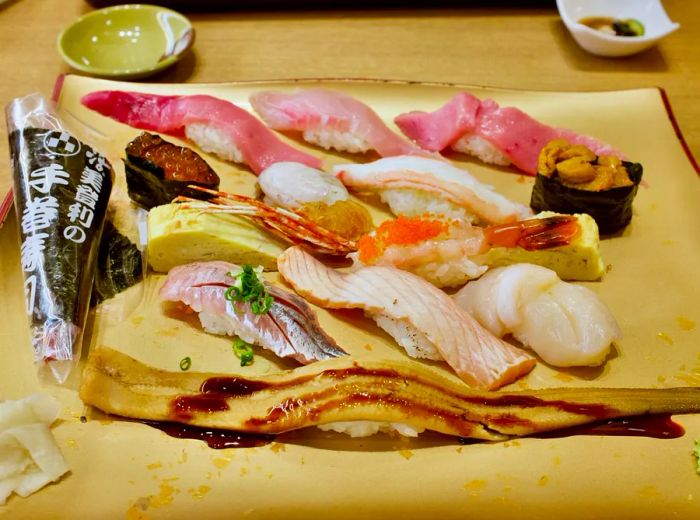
{"type": "Point", "coordinates": [258, 146]}
{"type": "Point", "coordinates": [509, 129]}
{"type": "Point", "coordinates": [319, 110]}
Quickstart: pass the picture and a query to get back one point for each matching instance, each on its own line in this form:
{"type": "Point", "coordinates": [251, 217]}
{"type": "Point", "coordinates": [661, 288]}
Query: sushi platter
{"type": "Point", "coordinates": [150, 336]}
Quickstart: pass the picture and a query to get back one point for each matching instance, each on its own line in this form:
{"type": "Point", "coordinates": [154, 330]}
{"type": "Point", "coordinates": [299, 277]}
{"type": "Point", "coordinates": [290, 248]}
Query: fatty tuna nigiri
{"type": "Point", "coordinates": [289, 329]}
{"type": "Point", "coordinates": [418, 185]}
{"type": "Point", "coordinates": [494, 134]}
{"type": "Point", "coordinates": [216, 125]}
{"type": "Point", "coordinates": [331, 120]}
{"type": "Point", "coordinates": [420, 317]}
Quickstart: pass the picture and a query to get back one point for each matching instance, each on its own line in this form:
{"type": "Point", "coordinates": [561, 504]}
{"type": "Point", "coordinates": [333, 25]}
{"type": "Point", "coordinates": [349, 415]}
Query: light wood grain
{"type": "Point", "coordinates": [512, 48]}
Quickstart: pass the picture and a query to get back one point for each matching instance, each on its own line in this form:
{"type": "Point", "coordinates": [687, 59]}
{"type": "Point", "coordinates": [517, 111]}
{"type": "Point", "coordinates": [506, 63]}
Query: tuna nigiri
{"type": "Point", "coordinates": [216, 125]}
{"type": "Point", "coordinates": [331, 120]}
{"type": "Point", "coordinates": [416, 185]}
{"type": "Point", "coordinates": [493, 134]}
{"type": "Point", "coordinates": [420, 317]}
{"type": "Point", "coordinates": [289, 329]}
{"type": "Point", "coordinates": [566, 324]}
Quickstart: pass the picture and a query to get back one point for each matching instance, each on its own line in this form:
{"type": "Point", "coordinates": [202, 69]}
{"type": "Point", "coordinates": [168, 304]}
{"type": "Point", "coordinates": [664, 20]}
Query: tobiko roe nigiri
{"type": "Point", "coordinates": [216, 125]}
{"type": "Point", "coordinates": [494, 134]}
{"type": "Point", "coordinates": [331, 120]}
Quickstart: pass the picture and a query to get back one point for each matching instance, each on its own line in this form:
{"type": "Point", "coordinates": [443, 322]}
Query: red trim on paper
{"type": "Point", "coordinates": [677, 129]}
{"type": "Point", "coordinates": [5, 206]}
{"type": "Point", "coordinates": [57, 87]}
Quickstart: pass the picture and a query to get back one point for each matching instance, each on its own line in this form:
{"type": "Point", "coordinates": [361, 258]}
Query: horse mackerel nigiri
{"type": "Point", "coordinates": [494, 134]}
{"type": "Point", "coordinates": [331, 120]}
{"type": "Point", "coordinates": [420, 317]}
{"type": "Point", "coordinates": [216, 125]}
{"type": "Point", "coordinates": [418, 185]}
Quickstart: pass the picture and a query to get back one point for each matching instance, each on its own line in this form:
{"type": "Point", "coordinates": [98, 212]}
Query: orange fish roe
{"type": "Point", "coordinates": [402, 231]}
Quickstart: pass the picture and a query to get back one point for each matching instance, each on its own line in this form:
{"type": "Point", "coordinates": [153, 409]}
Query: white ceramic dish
{"type": "Point", "coordinates": [650, 12]}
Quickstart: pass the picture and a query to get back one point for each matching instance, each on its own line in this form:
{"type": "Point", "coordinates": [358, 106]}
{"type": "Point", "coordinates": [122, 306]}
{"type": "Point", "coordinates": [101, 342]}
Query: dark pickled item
{"type": "Point", "coordinates": [614, 26]}
{"type": "Point", "coordinates": [61, 188]}
{"type": "Point", "coordinates": [572, 179]}
{"type": "Point", "coordinates": [158, 171]}
{"type": "Point", "coordinates": [119, 264]}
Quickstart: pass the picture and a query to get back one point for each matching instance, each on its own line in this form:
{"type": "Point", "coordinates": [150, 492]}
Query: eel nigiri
{"type": "Point", "coordinates": [418, 185]}
{"type": "Point", "coordinates": [494, 134]}
{"type": "Point", "coordinates": [216, 125]}
{"type": "Point", "coordinates": [317, 195]}
{"type": "Point", "coordinates": [566, 324]}
{"type": "Point", "coordinates": [289, 329]}
{"type": "Point", "coordinates": [420, 317]}
{"type": "Point", "coordinates": [331, 120]}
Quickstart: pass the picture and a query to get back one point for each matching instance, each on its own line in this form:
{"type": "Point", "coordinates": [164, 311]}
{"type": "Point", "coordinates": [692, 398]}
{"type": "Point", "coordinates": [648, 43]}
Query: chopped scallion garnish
{"type": "Point", "coordinates": [248, 288]}
{"type": "Point", "coordinates": [185, 363]}
{"type": "Point", "coordinates": [244, 351]}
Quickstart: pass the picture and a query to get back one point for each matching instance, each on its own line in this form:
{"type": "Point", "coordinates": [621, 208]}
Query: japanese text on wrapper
{"type": "Point", "coordinates": [82, 211]}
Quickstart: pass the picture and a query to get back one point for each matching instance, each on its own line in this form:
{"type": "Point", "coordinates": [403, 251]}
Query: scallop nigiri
{"type": "Point", "coordinates": [565, 324]}
{"type": "Point", "coordinates": [289, 329]}
{"type": "Point", "coordinates": [421, 318]}
{"type": "Point", "coordinates": [216, 125]}
{"type": "Point", "coordinates": [418, 185]}
{"type": "Point", "coordinates": [331, 120]}
{"type": "Point", "coordinates": [494, 134]}
{"type": "Point", "coordinates": [317, 195]}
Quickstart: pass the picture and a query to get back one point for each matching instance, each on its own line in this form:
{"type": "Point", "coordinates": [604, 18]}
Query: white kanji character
{"type": "Point", "coordinates": [74, 211]}
{"type": "Point", "coordinates": [96, 160]}
{"type": "Point", "coordinates": [87, 196]}
{"type": "Point", "coordinates": [86, 216]}
{"type": "Point", "coordinates": [32, 250]}
{"type": "Point", "coordinates": [91, 178]}
{"type": "Point", "coordinates": [30, 293]}
{"type": "Point", "coordinates": [38, 214]}
{"type": "Point", "coordinates": [75, 234]}
{"type": "Point", "coordinates": [42, 179]}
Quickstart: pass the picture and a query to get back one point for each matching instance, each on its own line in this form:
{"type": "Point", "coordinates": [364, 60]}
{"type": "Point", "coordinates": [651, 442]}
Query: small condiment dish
{"type": "Point", "coordinates": [650, 12]}
{"type": "Point", "coordinates": [126, 41]}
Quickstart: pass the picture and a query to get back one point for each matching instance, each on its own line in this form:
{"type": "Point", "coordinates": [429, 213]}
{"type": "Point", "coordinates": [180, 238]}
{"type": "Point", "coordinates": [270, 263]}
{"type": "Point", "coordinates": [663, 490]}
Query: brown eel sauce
{"type": "Point", "coordinates": [216, 391]}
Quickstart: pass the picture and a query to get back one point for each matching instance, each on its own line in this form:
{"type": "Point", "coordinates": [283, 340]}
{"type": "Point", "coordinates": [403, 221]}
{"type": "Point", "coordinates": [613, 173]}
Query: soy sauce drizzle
{"type": "Point", "coordinates": [215, 438]}
{"type": "Point", "coordinates": [657, 426]}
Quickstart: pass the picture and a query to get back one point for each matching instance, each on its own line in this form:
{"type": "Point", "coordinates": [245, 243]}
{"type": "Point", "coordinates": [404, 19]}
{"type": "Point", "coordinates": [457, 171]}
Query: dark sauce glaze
{"type": "Point", "coordinates": [215, 438]}
{"type": "Point", "coordinates": [657, 426]}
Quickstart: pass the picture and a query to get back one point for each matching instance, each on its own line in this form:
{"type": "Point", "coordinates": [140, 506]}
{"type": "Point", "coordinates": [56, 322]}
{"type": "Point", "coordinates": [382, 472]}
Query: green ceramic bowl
{"type": "Point", "coordinates": [126, 41]}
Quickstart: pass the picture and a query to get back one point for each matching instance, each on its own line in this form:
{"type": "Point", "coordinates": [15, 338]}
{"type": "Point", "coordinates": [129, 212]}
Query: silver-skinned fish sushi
{"type": "Point", "coordinates": [289, 329]}
{"type": "Point", "coordinates": [216, 125]}
{"type": "Point", "coordinates": [421, 318]}
{"type": "Point", "coordinates": [494, 134]}
{"type": "Point", "coordinates": [331, 120]}
{"type": "Point", "coordinates": [565, 324]}
{"type": "Point", "coordinates": [417, 185]}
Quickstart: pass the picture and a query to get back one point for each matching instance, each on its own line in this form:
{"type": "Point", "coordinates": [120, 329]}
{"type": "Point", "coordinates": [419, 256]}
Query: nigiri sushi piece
{"type": "Point", "coordinates": [215, 125]}
{"type": "Point", "coordinates": [418, 185]}
{"type": "Point", "coordinates": [317, 195]}
{"type": "Point", "coordinates": [331, 120]}
{"type": "Point", "coordinates": [289, 329]}
{"type": "Point", "coordinates": [565, 324]}
{"type": "Point", "coordinates": [494, 134]}
{"type": "Point", "coordinates": [421, 318]}
{"type": "Point", "coordinates": [448, 252]}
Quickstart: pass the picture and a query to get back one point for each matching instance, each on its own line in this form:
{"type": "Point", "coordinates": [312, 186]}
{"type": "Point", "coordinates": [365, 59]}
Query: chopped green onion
{"type": "Point", "coordinates": [696, 452]}
{"type": "Point", "coordinates": [244, 351]}
{"type": "Point", "coordinates": [248, 288]}
{"type": "Point", "coordinates": [185, 363]}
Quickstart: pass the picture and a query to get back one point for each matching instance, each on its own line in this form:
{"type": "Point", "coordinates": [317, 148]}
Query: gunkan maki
{"type": "Point", "coordinates": [573, 179]}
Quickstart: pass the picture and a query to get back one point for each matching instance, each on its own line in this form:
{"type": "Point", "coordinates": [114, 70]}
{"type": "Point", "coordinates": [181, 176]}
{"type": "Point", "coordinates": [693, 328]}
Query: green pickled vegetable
{"type": "Point", "coordinates": [629, 27]}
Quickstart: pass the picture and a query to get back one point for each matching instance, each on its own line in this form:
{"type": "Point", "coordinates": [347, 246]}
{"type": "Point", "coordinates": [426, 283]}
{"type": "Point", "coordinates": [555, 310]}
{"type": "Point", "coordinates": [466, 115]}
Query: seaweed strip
{"type": "Point", "coordinates": [119, 265]}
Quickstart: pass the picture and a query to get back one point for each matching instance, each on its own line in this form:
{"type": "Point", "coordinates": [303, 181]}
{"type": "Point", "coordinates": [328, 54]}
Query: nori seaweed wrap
{"type": "Point", "coordinates": [61, 189]}
{"type": "Point", "coordinates": [158, 171]}
{"type": "Point", "coordinates": [119, 264]}
{"type": "Point", "coordinates": [611, 208]}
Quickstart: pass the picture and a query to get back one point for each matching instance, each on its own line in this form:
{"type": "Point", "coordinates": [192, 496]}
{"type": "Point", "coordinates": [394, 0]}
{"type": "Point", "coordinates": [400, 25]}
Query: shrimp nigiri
{"type": "Point", "coordinates": [566, 324]}
{"type": "Point", "coordinates": [494, 134]}
{"type": "Point", "coordinates": [216, 125]}
{"type": "Point", "coordinates": [416, 185]}
{"type": "Point", "coordinates": [420, 317]}
{"type": "Point", "coordinates": [331, 120]}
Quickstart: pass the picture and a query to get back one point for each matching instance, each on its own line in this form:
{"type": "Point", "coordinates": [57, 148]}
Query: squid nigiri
{"type": "Point", "coordinates": [216, 125]}
{"type": "Point", "coordinates": [317, 195]}
{"type": "Point", "coordinates": [494, 134]}
{"type": "Point", "coordinates": [418, 185]}
{"type": "Point", "coordinates": [289, 329]}
{"type": "Point", "coordinates": [565, 324]}
{"type": "Point", "coordinates": [331, 120]}
{"type": "Point", "coordinates": [421, 318]}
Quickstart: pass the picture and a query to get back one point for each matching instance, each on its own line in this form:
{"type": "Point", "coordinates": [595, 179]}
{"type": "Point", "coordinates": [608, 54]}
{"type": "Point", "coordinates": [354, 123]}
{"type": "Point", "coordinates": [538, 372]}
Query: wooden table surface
{"type": "Point", "coordinates": [506, 47]}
